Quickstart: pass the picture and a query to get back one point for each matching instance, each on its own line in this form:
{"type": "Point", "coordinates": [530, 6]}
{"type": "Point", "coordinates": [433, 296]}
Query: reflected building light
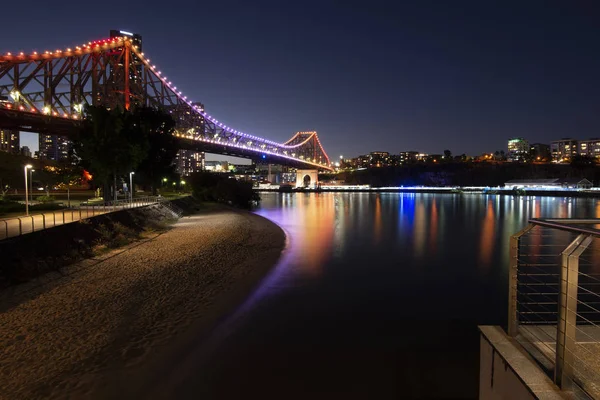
{"type": "Point", "coordinates": [486, 245]}
{"type": "Point", "coordinates": [419, 229]}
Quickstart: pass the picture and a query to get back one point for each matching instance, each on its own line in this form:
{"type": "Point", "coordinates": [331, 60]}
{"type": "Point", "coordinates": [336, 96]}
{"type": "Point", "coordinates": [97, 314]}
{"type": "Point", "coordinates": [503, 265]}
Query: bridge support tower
{"type": "Point", "coordinates": [307, 178]}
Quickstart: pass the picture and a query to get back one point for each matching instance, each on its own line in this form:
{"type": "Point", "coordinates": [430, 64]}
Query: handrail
{"type": "Point", "coordinates": [554, 297]}
{"type": "Point", "coordinates": [556, 224]}
{"type": "Point", "coordinates": [15, 226]}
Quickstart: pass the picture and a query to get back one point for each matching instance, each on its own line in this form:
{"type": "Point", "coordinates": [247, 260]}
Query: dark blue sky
{"type": "Point", "coordinates": [368, 75]}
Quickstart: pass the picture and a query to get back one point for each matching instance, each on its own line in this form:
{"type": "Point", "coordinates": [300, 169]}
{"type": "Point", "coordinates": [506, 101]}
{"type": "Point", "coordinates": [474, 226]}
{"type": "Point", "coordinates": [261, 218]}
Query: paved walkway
{"type": "Point", "coordinates": [16, 226]}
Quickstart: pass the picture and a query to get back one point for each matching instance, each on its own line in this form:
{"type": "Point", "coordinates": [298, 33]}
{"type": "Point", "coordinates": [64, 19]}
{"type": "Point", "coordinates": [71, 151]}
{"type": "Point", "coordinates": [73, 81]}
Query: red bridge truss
{"type": "Point", "coordinates": [46, 92]}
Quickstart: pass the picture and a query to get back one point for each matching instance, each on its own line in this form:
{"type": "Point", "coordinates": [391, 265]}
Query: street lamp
{"type": "Point", "coordinates": [131, 186]}
{"type": "Point", "coordinates": [31, 171]}
{"type": "Point", "coordinates": [164, 181]}
{"type": "Point", "coordinates": [28, 166]}
{"type": "Point", "coordinates": [182, 184]}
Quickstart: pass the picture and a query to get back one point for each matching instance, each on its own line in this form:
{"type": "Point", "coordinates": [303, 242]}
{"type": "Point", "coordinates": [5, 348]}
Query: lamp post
{"type": "Point", "coordinates": [28, 166]}
{"type": "Point", "coordinates": [31, 171]}
{"type": "Point", "coordinates": [131, 186]}
{"type": "Point", "coordinates": [164, 181]}
{"type": "Point", "coordinates": [182, 184]}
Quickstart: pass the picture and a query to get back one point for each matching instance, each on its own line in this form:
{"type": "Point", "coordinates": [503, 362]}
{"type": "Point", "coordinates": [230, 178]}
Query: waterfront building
{"type": "Point", "coordinates": [540, 152]}
{"type": "Point", "coordinates": [408, 157]}
{"type": "Point", "coordinates": [362, 161]}
{"type": "Point", "coordinates": [219, 166]}
{"type": "Point", "coordinates": [379, 159]}
{"type": "Point", "coordinates": [564, 149]}
{"type": "Point", "coordinates": [590, 148]}
{"type": "Point", "coordinates": [552, 183]}
{"type": "Point", "coordinates": [518, 149]}
{"type": "Point", "coordinates": [9, 141]}
{"type": "Point", "coordinates": [189, 161]}
{"type": "Point", "coordinates": [52, 147]}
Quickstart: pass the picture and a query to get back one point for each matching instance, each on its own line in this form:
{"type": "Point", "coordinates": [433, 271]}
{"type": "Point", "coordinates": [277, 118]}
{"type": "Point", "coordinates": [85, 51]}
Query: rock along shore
{"type": "Point", "coordinates": [69, 334]}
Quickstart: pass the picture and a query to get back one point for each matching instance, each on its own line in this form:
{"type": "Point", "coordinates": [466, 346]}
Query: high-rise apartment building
{"type": "Point", "coordinates": [52, 147]}
{"type": "Point", "coordinates": [518, 149]}
{"type": "Point", "coordinates": [379, 159]}
{"type": "Point", "coordinates": [408, 157]}
{"type": "Point", "coordinates": [564, 149]}
{"type": "Point", "coordinates": [9, 141]}
{"type": "Point", "coordinates": [26, 151]}
{"type": "Point", "coordinates": [189, 161]}
{"type": "Point", "coordinates": [590, 148]}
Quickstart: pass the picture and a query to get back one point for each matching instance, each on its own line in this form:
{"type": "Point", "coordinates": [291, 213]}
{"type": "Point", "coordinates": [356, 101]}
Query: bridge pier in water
{"type": "Point", "coordinates": [307, 178]}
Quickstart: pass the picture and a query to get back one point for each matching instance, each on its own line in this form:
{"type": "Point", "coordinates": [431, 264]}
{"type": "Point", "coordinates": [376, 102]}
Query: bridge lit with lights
{"type": "Point", "coordinates": [46, 92]}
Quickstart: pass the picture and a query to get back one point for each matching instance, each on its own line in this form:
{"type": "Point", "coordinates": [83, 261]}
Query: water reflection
{"type": "Point", "coordinates": [369, 284]}
{"type": "Point", "coordinates": [311, 222]}
{"type": "Point", "coordinates": [422, 230]}
{"type": "Point", "coordinates": [486, 245]}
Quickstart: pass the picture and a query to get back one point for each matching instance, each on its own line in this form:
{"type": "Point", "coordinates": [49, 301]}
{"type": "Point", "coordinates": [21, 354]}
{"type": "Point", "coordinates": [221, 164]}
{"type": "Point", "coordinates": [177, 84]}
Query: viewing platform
{"type": "Point", "coordinates": [551, 349]}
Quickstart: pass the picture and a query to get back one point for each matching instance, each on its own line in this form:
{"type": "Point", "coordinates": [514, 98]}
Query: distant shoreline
{"type": "Point", "coordinates": [432, 190]}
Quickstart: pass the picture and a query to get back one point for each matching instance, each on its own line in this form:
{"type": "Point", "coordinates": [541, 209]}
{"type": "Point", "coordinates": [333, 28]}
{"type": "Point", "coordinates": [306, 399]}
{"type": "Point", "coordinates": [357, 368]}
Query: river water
{"type": "Point", "coordinates": [377, 296]}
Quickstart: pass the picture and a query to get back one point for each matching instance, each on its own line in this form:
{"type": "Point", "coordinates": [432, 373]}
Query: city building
{"type": "Point", "coordinates": [434, 158]}
{"type": "Point", "coordinates": [379, 159]}
{"type": "Point", "coordinates": [564, 149]}
{"type": "Point", "coordinates": [189, 161]}
{"type": "Point", "coordinates": [408, 157]}
{"type": "Point", "coordinates": [589, 148]}
{"type": "Point", "coordinates": [219, 166]}
{"type": "Point", "coordinates": [361, 161]}
{"type": "Point", "coordinates": [518, 149]}
{"type": "Point", "coordinates": [422, 156]}
{"type": "Point", "coordinates": [9, 141]}
{"type": "Point", "coordinates": [552, 183]}
{"type": "Point", "coordinates": [540, 152]}
{"type": "Point", "coordinates": [135, 67]}
{"type": "Point", "coordinates": [26, 151]}
{"type": "Point", "coordinates": [52, 147]}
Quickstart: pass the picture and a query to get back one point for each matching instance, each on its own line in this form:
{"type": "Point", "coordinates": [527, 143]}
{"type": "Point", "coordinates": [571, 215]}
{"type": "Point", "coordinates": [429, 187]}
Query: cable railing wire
{"type": "Point", "coordinates": [544, 259]}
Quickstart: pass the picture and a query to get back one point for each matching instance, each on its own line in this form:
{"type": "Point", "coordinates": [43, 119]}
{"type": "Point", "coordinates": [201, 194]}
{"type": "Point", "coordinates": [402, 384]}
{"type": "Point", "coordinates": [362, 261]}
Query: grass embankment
{"type": "Point", "coordinates": [25, 257]}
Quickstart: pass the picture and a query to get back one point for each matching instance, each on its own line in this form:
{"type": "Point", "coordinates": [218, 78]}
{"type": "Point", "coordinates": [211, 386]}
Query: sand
{"type": "Point", "coordinates": [73, 334]}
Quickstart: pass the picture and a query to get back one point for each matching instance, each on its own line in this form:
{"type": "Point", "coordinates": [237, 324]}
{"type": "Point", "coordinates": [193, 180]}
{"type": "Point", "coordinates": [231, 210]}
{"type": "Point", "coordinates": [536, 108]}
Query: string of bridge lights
{"type": "Point", "coordinates": [170, 85]}
{"type": "Point", "coordinates": [98, 45]}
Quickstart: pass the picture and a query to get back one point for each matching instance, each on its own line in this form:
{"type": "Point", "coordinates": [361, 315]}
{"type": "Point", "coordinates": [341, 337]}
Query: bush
{"type": "Point", "coordinates": [223, 188]}
{"type": "Point", "coordinates": [45, 199]}
{"type": "Point", "coordinates": [10, 207]}
{"type": "Point", "coordinates": [115, 236]}
{"type": "Point", "coordinates": [46, 207]}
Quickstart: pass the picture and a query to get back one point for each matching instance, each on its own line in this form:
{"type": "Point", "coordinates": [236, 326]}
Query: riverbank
{"type": "Point", "coordinates": [449, 190]}
{"type": "Point", "coordinates": [77, 332]}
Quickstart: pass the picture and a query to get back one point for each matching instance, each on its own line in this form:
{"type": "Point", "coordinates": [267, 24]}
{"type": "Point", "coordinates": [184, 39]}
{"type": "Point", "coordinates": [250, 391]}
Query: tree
{"type": "Point", "coordinates": [110, 144]}
{"type": "Point", "coordinates": [69, 174]}
{"type": "Point", "coordinates": [157, 126]}
{"type": "Point", "coordinates": [447, 155]}
{"type": "Point", "coordinates": [580, 162]}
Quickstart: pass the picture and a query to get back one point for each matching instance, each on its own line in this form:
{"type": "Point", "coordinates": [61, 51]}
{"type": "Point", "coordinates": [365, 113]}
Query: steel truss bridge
{"type": "Point", "coordinates": [46, 92]}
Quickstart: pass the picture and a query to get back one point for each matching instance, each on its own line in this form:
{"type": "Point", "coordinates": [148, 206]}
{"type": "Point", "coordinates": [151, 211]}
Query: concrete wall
{"type": "Point", "coordinates": [507, 372]}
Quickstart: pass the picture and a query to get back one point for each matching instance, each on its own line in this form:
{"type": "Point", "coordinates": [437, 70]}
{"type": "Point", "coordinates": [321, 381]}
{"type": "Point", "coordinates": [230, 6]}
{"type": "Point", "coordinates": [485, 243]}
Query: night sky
{"type": "Point", "coordinates": [369, 75]}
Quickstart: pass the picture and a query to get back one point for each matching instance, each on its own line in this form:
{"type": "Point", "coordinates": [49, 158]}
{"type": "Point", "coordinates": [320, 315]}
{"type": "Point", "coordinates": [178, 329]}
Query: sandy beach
{"type": "Point", "coordinates": [73, 334]}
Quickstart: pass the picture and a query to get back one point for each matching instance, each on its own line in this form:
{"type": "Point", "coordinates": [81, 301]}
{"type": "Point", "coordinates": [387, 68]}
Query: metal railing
{"type": "Point", "coordinates": [18, 226]}
{"type": "Point", "coordinates": [554, 299]}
